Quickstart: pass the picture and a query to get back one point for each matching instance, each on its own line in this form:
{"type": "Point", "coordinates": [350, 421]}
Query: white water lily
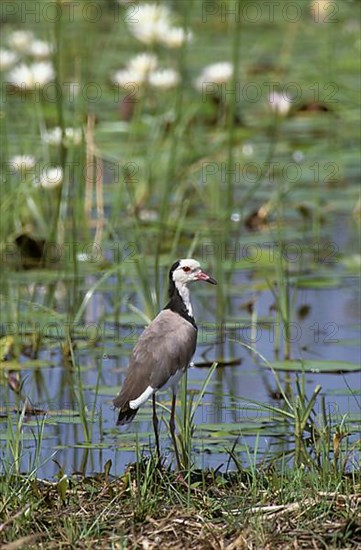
{"type": "Point", "coordinates": [137, 70]}
{"type": "Point", "coordinates": [175, 37]}
{"type": "Point", "coordinates": [143, 64]}
{"type": "Point", "coordinates": [320, 10]}
{"type": "Point", "coordinates": [164, 79]}
{"type": "Point", "coordinates": [279, 103]}
{"type": "Point", "coordinates": [20, 40]}
{"type": "Point", "coordinates": [217, 73]}
{"type": "Point", "coordinates": [22, 163]}
{"type": "Point", "coordinates": [40, 49]}
{"type": "Point", "coordinates": [152, 24]}
{"type": "Point", "coordinates": [149, 22]}
{"type": "Point", "coordinates": [124, 78]}
{"type": "Point", "coordinates": [247, 149]}
{"type": "Point", "coordinates": [73, 136]}
{"type": "Point", "coordinates": [53, 136]}
{"type": "Point", "coordinates": [30, 76]}
{"type": "Point", "coordinates": [7, 59]}
{"type": "Point", "coordinates": [51, 177]}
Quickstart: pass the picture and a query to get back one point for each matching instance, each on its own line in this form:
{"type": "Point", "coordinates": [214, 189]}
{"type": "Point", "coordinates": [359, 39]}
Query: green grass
{"type": "Point", "coordinates": [263, 507]}
{"type": "Point", "coordinates": [309, 494]}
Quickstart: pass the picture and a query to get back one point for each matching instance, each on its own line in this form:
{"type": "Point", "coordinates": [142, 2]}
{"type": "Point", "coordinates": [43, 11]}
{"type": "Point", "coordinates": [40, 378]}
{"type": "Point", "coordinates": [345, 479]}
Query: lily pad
{"type": "Point", "coordinates": [92, 445]}
{"type": "Point", "coordinates": [344, 391]}
{"type": "Point", "coordinates": [317, 366]}
{"type": "Point", "coordinates": [27, 365]}
{"type": "Point", "coordinates": [319, 282]}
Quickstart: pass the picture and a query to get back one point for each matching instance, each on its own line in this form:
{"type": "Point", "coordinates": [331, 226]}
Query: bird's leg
{"type": "Point", "coordinates": [155, 427]}
{"type": "Point", "coordinates": [172, 431]}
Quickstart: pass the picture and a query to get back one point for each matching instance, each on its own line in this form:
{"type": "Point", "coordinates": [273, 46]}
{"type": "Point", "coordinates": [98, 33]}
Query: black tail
{"type": "Point", "coordinates": [126, 416]}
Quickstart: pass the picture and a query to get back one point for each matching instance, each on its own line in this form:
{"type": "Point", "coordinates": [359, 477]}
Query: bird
{"type": "Point", "coordinates": [163, 351]}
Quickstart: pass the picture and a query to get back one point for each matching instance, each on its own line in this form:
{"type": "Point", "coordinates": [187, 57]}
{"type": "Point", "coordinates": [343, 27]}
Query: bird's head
{"type": "Point", "coordinates": [187, 271]}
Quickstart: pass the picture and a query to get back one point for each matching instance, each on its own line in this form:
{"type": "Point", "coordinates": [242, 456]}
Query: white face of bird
{"type": "Point", "coordinates": [190, 270]}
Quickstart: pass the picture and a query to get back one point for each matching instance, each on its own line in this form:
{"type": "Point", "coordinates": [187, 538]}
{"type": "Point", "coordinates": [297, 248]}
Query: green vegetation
{"type": "Point", "coordinates": [108, 176]}
{"type": "Point", "coordinates": [257, 508]}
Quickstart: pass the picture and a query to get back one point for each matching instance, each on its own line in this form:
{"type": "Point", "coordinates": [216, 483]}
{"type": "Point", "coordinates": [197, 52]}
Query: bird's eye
{"type": "Point", "coordinates": [186, 268]}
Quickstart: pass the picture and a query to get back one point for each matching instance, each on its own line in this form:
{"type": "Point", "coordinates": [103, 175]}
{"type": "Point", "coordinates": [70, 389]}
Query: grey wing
{"type": "Point", "coordinates": [166, 345]}
{"type": "Point", "coordinates": [174, 352]}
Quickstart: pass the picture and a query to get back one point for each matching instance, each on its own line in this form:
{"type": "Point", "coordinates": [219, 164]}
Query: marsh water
{"type": "Point", "coordinates": [288, 294]}
{"type": "Point", "coordinates": [231, 409]}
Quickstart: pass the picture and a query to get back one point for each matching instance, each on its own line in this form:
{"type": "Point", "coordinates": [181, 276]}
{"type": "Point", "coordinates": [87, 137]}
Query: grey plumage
{"type": "Point", "coordinates": [164, 351]}
{"type": "Point", "coordinates": [166, 346]}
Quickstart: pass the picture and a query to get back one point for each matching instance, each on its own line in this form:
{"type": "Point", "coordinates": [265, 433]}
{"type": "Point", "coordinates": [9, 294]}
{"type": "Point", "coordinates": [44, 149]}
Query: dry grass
{"type": "Point", "coordinates": [220, 513]}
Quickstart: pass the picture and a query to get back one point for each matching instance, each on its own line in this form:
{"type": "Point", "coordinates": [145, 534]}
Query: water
{"type": "Point", "coordinates": [328, 331]}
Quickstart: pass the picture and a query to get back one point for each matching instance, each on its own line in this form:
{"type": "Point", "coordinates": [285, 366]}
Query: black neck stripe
{"type": "Point", "coordinates": [176, 303]}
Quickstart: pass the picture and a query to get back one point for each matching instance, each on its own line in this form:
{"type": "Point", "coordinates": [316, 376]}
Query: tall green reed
{"type": "Point", "coordinates": [15, 450]}
{"type": "Point", "coordinates": [189, 405]}
{"type": "Point", "coordinates": [316, 436]}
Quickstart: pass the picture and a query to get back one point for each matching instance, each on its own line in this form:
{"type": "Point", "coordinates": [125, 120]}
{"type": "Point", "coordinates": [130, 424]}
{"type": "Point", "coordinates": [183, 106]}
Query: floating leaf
{"type": "Point", "coordinates": [319, 282]}
{"type": "Point", "coordinates": [317, 366]}
{"type": "Point", "coordinates": [351, 342]}
{"type": "Point", "coordinates": [103, 390]}
{"type": "Point", "coordinates": [27, 365]}
{"type": "Point", "coordinates": [65, 420]}
{"type": "Point", "coordinates": [344, 391]}
{"type": "Point", "coordinates": [226, 363]}
{"type": "Point", "coordinates": [92, 445]}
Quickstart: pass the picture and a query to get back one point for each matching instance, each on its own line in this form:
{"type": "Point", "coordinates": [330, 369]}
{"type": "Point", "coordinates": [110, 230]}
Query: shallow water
{"type": "Point", "coordinates": [311, 189]}
{"type": "Point", "coordinates": [329, 331]}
